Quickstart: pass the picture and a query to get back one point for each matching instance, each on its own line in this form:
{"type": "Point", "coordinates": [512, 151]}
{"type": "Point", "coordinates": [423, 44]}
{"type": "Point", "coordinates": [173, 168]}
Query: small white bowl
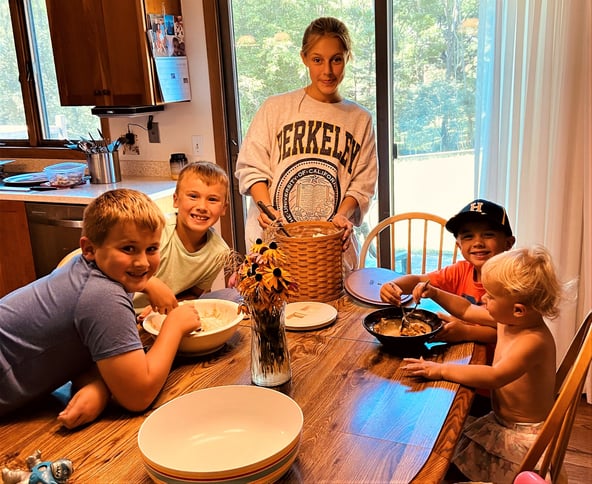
{"type": "Point", "coordinates": [221, 433]}
{"type": "Point", "coordinates": [207, 340]}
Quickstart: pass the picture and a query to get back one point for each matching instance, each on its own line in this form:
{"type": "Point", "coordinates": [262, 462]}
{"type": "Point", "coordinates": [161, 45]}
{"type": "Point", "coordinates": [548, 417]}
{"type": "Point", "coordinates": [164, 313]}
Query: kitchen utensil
{"type": "Point", "coordinates": [404, 320]}
{"type": "Point", "coordinates": [267, 212]}
{"type": "Point", "coordinates": [43, 188]}
{"type": "Point", "coordinates": [85, 146]}
{"type": "Point", "coordinates": [14, 189]}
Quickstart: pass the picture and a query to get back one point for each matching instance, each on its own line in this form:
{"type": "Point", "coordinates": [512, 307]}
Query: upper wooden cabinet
{"type": "Point", "coordinates": [101, 53]}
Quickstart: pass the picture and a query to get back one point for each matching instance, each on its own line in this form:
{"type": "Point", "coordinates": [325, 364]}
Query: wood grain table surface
{"type": "Point", "coordinates": [364, 419]}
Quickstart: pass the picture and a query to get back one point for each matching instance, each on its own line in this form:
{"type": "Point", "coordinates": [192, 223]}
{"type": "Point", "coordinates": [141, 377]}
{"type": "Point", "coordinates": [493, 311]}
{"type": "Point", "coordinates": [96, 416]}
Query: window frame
{"type": "Point", "coordinates": [35, 146]}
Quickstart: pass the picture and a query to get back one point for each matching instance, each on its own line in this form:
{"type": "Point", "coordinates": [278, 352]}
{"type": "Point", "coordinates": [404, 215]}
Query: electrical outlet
{"type": "Point", "coordinates": [197, 143]}
{"type": "Point", "coordinates": [129, 144]}
{"type": "Point", "coordinates": [154, 134]}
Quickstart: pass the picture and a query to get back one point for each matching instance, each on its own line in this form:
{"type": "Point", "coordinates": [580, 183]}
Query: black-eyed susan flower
{"type": "Point", "coordinates": [262, 281]}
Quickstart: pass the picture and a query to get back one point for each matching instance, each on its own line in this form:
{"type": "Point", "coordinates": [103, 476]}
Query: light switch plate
{"type": "Point", "coordinates": [154, 134]}
{"type": "Point", "coordinates": [197, 142]}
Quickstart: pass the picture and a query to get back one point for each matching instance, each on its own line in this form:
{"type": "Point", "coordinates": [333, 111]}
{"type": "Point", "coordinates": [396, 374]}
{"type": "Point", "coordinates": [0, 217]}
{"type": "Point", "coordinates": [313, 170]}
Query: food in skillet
{"type": "Point", "coordinates": [392, 327]}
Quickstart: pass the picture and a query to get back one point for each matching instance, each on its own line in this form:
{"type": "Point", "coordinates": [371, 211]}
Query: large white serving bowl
{"type": "Point", "coordinates": [204, 342]}
{"type": "Point", "coordinates": [271, 473]}
{"type": "Point", "coordinates": [222, 433]}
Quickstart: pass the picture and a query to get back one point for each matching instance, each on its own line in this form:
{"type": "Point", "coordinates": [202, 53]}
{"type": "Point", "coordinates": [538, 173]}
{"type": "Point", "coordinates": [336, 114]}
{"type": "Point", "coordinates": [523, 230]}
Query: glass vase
{"type": "Point", "coordinates": [270, 359]}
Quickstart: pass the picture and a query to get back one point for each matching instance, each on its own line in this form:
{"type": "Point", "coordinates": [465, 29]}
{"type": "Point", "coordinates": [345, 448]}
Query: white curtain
{"type": "Point", "coordinates": [534, 135]}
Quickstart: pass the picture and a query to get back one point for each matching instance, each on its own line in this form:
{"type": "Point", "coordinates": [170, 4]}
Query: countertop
{"type": "Point", "coordinates": [156, 188]}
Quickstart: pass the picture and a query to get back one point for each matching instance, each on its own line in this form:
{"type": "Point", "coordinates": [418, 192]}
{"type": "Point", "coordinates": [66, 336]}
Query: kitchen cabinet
{"type": "Point", "coordinates": [101, 53]}
{"type": "Point", "coordinates": [16, 257]}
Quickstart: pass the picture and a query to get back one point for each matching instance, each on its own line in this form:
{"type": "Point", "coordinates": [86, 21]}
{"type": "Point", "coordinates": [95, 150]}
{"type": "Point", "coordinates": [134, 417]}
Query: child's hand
{"type": "Point", "coordinates": [423, 368]}
{"type": "Point", "coordinates": [233, 280]}
{"type": "Point", "coordinates": [86, 404]}
{"type": "Point", "coordinates": [184, 317]}
{"type": "Point", "coordinates": [145, 312]}
{"type": "Point", "coordinates": [391, 293]}
{"type": "Point", "coordinates": [160, 295]}
{"type": "Point", "coordinates": [423, 289]}
{"type": "Point", "coordinates": [453, 330]}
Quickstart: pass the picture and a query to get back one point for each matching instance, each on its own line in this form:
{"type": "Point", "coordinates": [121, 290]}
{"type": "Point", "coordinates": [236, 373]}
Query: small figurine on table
{"type": "Point", "coordinates": [40, 472]}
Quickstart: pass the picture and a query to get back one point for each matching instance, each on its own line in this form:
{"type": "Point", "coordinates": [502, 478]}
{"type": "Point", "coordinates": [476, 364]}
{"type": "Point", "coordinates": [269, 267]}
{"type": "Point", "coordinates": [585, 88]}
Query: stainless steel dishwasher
{"type": "Point", "coordinates": [55, 231]}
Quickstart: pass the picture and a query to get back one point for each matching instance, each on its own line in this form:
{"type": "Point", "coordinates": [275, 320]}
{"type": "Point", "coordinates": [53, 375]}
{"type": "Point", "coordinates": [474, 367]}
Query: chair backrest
{"type": "Point", "coordinates": [418, 243]}
{"type": "Point", "coordinates": [551, 443]}
{"type": "Point", "coordinates": [68, 256]}
{"type": "Point", "coordinates": [572, 352]}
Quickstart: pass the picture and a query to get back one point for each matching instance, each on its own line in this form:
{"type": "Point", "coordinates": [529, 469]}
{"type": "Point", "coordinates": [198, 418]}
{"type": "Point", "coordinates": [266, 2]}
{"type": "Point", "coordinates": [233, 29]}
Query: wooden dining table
{"type": "Point", "coordinates": [365, 419]}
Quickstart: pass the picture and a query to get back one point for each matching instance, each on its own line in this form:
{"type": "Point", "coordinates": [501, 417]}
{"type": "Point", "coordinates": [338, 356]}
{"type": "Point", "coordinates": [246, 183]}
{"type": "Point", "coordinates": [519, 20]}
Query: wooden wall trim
{"type": "Point", "coordinates": [215, 70]}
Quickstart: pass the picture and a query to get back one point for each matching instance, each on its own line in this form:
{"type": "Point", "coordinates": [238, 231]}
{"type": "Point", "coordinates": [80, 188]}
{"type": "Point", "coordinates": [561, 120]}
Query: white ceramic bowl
{"type": "Point", "coordinates": [270, 473]}
{"type": "Point", "coordinates": [221, 434]}
{"type": "Point", "coordinates": [222, 314]}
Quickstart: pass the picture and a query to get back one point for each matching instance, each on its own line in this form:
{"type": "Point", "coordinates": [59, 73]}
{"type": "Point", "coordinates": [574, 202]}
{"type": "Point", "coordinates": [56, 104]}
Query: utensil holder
{"type": "Point", "coordinates": [104, 167]}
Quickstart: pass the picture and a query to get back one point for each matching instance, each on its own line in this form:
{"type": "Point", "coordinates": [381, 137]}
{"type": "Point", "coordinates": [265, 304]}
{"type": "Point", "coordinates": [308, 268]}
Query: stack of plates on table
{"type": "Point", "coordinates": [226, 434]}
{"type": "Point", "coordinates": [364, 284]}
{"type": "Point", "coordinates": [304, 316]}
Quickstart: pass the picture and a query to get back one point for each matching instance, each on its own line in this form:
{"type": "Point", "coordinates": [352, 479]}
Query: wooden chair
{"type": "Point", "coordinates": [407, 237]}
{"type": "Point", "coordinates": [572, 352]}
{"type": "Point", "coordinates": [552, 441]}
{"type": "Point", "coordinates": [68, 256]}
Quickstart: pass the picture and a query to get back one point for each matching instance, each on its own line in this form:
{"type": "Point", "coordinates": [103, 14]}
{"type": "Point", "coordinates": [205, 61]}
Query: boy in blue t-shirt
{"type": "Point", "coordinates": [78, 323]}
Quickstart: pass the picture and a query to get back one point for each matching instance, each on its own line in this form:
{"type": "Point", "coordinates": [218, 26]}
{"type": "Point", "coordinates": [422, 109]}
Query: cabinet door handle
{"type": "Point", "coordinates": [97, 92]}
{"type": "Point", "coordinates": [106, 92]}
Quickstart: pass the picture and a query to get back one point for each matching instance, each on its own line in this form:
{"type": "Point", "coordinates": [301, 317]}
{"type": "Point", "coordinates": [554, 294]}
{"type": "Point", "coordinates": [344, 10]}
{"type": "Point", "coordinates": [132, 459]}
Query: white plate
{"type": "Point", "coordinates": [364, 284]}
{"type": "Point", "coordinates": [26, 179]}
{"type": "Point", "coordinates": [302, 316]}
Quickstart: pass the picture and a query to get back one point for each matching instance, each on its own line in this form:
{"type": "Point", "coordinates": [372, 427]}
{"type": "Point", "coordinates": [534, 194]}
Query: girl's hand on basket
{"type": "Point", "coordinates": [342, 222]}
{"type": "Point", "coordinates": [265, 221]}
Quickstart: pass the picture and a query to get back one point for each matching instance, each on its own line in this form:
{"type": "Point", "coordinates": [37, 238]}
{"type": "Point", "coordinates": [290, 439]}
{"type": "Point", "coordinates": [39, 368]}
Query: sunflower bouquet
{"type": "Point", "coordinates": [265, 287]}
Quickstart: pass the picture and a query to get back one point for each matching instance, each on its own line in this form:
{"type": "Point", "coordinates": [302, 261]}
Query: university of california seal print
{"type": "Point", "coordinates": [308, 190]}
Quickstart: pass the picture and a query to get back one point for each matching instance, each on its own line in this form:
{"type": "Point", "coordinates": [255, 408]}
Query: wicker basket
{"type": "Point", "coordinates": [314, 262]}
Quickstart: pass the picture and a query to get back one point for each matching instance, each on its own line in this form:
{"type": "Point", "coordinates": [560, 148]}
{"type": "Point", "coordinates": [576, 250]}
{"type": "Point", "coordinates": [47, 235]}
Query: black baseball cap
{"type": "Point", "coordinates": [478, 211]}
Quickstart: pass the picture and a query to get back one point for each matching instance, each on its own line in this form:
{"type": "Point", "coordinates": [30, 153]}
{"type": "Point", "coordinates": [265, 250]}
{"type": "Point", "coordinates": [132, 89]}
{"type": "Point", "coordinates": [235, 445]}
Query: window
{"type": "Point", "coordinates": [31, 114]}
{"type": "Point", "coordinates": [414, 68]}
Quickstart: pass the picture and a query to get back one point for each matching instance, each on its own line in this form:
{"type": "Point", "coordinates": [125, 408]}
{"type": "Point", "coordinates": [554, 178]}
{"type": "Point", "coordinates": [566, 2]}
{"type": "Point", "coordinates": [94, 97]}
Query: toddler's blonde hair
{"type": "Point", "coordinates": [527, 275]}
{"type": "Point", "coordinates": [121, 205]}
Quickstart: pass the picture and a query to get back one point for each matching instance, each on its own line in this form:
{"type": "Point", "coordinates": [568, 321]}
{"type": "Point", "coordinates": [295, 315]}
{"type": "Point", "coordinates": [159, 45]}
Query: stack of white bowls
{"type": "Point", "coordinates": [228, 434]}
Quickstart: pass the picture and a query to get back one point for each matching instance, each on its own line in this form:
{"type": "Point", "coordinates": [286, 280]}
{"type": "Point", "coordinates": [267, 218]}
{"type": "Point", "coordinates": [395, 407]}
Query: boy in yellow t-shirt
{"type": "Point", "coordinates": [192, 254]}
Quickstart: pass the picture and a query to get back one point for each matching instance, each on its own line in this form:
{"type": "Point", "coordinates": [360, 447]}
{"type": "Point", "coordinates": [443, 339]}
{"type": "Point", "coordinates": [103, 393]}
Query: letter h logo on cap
{"type": "Point", "coordinates": [476, 207]}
